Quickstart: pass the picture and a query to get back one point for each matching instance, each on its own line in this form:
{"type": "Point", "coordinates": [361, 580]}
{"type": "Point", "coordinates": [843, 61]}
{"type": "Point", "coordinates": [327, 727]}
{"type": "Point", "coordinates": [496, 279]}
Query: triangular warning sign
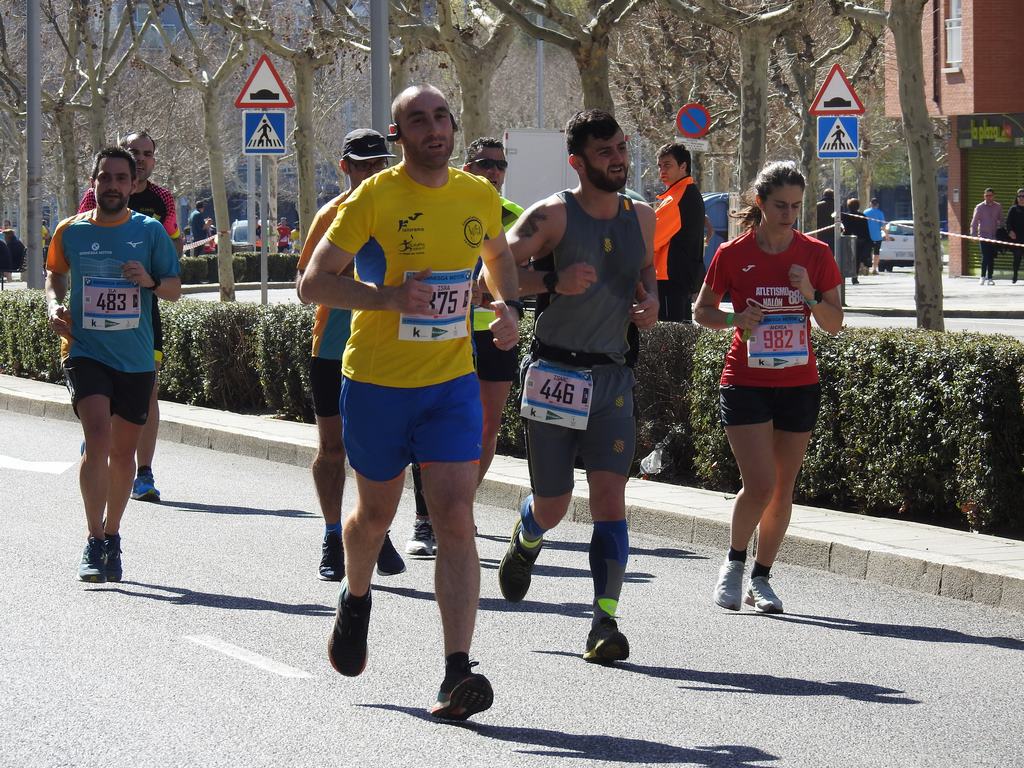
{"type": "Point", "coordinates": [836, 96]}
{"type": "Point", "coordinates": [265, 137]}
{"type": "Point", "coordinates": [264, 88]}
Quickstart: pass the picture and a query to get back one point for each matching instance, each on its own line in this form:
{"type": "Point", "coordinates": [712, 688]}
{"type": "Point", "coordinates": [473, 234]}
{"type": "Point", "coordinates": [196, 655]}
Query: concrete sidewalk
{"type": "Point", "coordinates": [891, 294]}
{"type": "Point", "coordinates": [966, 566]}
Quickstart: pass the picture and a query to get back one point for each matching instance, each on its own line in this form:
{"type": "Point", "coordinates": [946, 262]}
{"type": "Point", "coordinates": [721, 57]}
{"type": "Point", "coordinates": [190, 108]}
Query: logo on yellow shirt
{"type": "Point", "coordinates": [473, 231]}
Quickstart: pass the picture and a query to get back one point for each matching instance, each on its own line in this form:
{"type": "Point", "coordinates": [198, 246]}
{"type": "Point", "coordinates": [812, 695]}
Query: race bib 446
{"type": "Point", "coordinates": [555, 395]}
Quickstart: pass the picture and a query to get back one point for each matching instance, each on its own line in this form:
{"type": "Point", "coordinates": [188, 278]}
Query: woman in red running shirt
{"type": "Point", "coordinates": [777, 278]}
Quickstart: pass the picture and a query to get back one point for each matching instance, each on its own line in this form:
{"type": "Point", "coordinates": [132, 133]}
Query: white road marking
{"type": "Point", "coordinates": [249, 657]}
{"type": "Point", "coordinates": [44, 467]}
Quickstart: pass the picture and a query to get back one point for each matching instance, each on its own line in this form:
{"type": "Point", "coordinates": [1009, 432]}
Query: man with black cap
{"type": "Point", "coordinates": [363, 154]}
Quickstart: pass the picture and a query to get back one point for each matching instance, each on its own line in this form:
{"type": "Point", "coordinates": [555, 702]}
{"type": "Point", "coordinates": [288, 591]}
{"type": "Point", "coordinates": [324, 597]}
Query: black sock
{"type": "Point", "coordinates": [738, 554]}
{"type": "Point", "coordinates": [455, 668]}
{"type": "Point", "coordinates": [759, 570]}
{"type": "Point", "coordinates": [143, 470]}
{"type": "Point", "coordinates": [356, 602]}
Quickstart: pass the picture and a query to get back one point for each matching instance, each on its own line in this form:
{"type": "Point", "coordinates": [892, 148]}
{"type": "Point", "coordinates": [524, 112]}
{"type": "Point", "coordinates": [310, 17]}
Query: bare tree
{"type": "Point", "coordinates": [904, 19]}
{"type": "Point", "coordinates": [586, 40]}
{"type": "Point", "coordinates": [207, 76]}
{"type": "Point", "coordinates": [756, 32]}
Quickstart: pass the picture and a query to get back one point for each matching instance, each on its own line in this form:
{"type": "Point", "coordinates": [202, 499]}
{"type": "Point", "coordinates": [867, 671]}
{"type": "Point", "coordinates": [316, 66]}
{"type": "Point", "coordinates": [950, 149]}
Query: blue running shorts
{"type": "Point", "coordinates": [387, 428]}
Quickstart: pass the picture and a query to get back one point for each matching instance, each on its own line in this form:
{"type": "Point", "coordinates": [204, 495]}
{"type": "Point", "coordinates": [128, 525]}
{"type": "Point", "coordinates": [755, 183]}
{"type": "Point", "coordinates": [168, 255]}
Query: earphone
{"type": "Point", "coordinates": [395, 133]}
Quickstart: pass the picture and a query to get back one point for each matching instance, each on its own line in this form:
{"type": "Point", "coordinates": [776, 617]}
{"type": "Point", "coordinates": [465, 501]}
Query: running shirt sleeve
{"type": "Point", "coordinates": [170, 218]}
{"type": "Point", "coordinates": [88, 201]}
{"type": "Point", "coordinates": [322, 221]}
{"type": "Point", "coordinates": [353, 225]}
{"type": "Point", "coordinates": [164, 255]}
{"type": "Point", "coordinates": [56, 261]}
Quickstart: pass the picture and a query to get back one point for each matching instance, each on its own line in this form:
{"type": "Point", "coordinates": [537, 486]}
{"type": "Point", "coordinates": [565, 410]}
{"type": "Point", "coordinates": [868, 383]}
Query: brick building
{"type": "Point", "coordinates": [973, 77]}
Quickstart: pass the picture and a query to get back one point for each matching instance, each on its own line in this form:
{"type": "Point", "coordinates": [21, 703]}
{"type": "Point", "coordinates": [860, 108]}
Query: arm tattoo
{"type": "Point", "coordinates": [531, 226]}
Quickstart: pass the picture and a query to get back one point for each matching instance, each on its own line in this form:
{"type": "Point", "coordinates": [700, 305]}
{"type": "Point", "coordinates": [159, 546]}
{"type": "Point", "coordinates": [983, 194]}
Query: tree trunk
{"type": "Point", "coordinates": [905, 22]}
{"type": "Point", "coordinates": [305, 144]}
{"type": "Point", "coordinates": [273, 187]}
{"type": "Point", "coordinates": [69, 193]}
{"type": "Point", "coordinates": [212, 101]}
{"type": "Point", "coordinates": [755, 45]}
{"type": "Point", "coordinates": [592, 61]}
{"type": "Point", "coordinates": [96, 119]}
{"type": "Point", "coordinates": [475, 84]}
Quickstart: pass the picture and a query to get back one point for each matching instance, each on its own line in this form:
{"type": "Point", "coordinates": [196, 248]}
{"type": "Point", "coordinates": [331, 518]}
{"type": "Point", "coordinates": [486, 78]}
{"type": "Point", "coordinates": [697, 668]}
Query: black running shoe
{"type": "Point", "coordinates": [332, 561]}
{"type": "Point", "coordinates": [347, 646]}
{"type": "Point", "coordinates": [389, 562]}
{"type": "Point", "coordinates": [91, 568]}
{"type": "Point", "coordinates": [469, 695]}
{"type": "Point", "coordinates": [516, 567]}
{"type": "Point", "coordinates": [606, 644]}
{"type": "Point", "coordinates": [112, 557]}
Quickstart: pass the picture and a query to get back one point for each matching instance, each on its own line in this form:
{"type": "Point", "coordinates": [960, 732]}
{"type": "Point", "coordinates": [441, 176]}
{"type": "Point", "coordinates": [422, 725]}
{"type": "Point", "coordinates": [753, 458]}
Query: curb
{"type": "Point", "coordinates": [215, 288]}
{"type": "Point", "coordinates": [990, 314]}
{"type": "Point", "coordinates": [687, 515]}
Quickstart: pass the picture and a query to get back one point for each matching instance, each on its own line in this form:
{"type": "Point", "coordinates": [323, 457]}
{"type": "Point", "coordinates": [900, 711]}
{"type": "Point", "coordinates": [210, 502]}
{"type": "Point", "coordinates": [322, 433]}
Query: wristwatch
{"type": "Point", "coordinates": [517, 306]}
{"type": "Point", "coordinates": [550, 281]}
{"type": "Point", "coordinates": [156, 284]}
{"type": "Point", "coordinates": [816, 300]}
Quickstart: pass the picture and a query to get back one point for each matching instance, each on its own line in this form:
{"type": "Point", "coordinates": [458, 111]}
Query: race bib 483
{"type": "Point", "coordinates": [110, 304]}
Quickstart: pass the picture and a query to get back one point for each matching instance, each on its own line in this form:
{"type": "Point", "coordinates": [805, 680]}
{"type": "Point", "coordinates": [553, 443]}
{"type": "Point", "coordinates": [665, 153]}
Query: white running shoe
{"type": "Point", "coordinates": [422, 543]}
{"type": "Point", "coordinates": [991, 282]}
{"type": "Point", "coordinates": [762, 597]}
{"type": "Point", "coordinates": [729, 590]}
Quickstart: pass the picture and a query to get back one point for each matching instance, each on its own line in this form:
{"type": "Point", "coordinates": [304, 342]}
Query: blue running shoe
{"type": "Point", "coordinates": [143, 488]}
{"type": "Point", "coordinates": [91, 568]}
{"type": "Point", "coordinates": [112, 557]}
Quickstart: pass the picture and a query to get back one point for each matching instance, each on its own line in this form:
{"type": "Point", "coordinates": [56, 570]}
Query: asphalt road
{"type": "Point", "coordinates": [212, 652]}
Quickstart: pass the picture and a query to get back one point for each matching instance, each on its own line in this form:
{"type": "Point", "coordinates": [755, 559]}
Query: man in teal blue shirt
{"type": "Point", "coordinates": [112, 261]}
{"type": "Point", "coordinates": [876, 220]}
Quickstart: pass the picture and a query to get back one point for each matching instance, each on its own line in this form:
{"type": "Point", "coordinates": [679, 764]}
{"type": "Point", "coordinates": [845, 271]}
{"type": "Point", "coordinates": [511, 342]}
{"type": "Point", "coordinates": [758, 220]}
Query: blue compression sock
{"type": "Point", "coordinates": [609, 553]}
{"type": "Point", "coordinates": [336, 528]}
{"type": "Point", "coordinates": [531, 532]}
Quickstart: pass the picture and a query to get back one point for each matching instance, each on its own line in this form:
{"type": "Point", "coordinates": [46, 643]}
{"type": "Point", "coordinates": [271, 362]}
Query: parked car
{"type": "Point", "coordinates": [240, 239]}
{"type": "Point", "coordinates": [897, 246]}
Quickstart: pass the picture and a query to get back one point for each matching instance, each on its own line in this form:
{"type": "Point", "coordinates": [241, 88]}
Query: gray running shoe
{"type": "Point", "coordinates": [516, 567]}
{"type": "Point", "coordinates": [761, 595]}
{"type": "Point", "coordinates": [729, 590]}
{"type": "Point", "coordinates": [422, 542]}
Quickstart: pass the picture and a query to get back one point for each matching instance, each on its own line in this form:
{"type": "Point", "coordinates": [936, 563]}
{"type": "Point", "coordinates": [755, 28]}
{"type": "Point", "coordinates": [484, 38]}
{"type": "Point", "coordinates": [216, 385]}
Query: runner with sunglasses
{"type": "Point", "coordinates": [777, 278]}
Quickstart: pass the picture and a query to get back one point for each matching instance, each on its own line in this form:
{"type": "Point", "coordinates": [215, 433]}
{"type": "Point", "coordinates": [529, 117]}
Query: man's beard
{"type": "Point", "coordinates": [602, 180]}
{"type": "Point", "coordinates": [425, 159]}
{"type": "Point", "coordinates": [121, 204]}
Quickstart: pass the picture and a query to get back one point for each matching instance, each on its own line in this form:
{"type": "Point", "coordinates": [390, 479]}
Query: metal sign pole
{"type": "Point", "coordinates": [836, 228]}
{"type": "Point", "coordinates": [264, 218]}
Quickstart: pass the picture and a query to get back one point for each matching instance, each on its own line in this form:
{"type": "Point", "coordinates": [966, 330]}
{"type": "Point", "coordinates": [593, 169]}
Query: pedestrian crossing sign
{"type": "Point", "coordinates": [263, 133]}
{"type": "Point", "coordinates": [838, 137]}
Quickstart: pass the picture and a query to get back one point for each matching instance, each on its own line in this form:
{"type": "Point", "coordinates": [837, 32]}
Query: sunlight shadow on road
{"type": "Point", "coordinates": [181, 596]}
{"type": "Point", "coordinates": [670, 553]}
{"type": "Point", "coordinates": [599, 747]}
{"type": "Point", "coordinates": [501, 605]}
{"type": "Point", "coordinates": [216, 509]}
{"type": "Point", "coordinates": [770, 685]}
{"type": "Point", "coordinates": [901, 631]}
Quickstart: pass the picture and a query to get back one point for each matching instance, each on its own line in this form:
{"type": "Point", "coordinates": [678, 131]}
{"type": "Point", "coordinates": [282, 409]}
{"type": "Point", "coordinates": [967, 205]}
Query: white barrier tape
{"type": "Point", "coordinates": [196, 243]}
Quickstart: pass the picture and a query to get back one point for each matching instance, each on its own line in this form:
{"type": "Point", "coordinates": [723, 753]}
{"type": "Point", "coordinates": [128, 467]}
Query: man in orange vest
{"type": "Point", "coordinates": [678, 235]}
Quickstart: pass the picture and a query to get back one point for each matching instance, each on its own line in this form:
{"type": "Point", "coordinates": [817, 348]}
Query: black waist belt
{"type": "Point", "coordinates": [566, 357]}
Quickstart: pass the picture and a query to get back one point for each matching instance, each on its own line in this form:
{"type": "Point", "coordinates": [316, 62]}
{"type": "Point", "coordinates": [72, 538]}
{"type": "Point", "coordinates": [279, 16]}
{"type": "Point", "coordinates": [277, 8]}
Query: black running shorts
{"type": "Point", "coordinates": [493, 364]}
{"type": "Point", "coordinates": [128, 392]}
{"type": "Point", "coordinates": [325, 382]}
{"type": "Point", "coordinates": [791, 409]}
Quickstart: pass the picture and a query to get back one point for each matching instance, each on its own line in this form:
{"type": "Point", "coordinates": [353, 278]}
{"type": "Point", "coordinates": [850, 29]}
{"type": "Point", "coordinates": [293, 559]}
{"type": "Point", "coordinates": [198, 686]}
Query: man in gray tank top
{"type": "Point", "coordinates": [591, 255]}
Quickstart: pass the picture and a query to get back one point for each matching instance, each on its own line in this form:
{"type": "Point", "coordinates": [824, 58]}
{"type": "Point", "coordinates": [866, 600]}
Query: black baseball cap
{"type": "Point", "coordinates": [364, 144]}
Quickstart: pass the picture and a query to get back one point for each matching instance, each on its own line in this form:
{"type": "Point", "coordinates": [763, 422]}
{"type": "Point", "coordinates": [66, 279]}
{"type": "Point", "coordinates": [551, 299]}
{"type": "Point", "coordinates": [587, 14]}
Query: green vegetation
{"type": "Point", "coordinates": [914, 424]}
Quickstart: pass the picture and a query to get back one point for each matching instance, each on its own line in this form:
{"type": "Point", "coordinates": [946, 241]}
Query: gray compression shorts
{"type": "Point", "coordinates": [606, 445]}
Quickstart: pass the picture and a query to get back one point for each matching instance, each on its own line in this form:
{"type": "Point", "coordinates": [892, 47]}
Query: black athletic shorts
{"type": "Point", "coordinates": [158, 332]}
{"type": "Point", "coordinates": [791, 409]}
{"type": "Point", "coordinates": [128, 392]}
{"type": "Point", "coordinates": [493, 364]}
{"type": "Point", "coordinates": [325, 381]}
{"type": "Point", "coordinates": [876, 247]}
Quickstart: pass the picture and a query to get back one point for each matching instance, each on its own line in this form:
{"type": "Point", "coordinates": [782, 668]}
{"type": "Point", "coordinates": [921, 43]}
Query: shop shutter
{"type": "Point", "coordinates": [1001, 168]}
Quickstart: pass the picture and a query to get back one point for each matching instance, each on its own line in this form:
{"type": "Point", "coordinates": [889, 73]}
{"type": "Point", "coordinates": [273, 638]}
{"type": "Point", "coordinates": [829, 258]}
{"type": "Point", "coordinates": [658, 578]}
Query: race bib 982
{"type": "Point", "coordinates": [779, 341]}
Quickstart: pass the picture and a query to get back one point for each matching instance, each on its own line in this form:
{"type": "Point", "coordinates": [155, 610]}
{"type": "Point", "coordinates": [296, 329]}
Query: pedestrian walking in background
{"type": "Point", "coordinates": [1015, 230]}
{"type": "Point", "coordinates": [826, 209]}
{"type": "Point", "coordinates": [876, 220]}
{"type": "Point", "coordinates": [855, 224]}
{"type": "Point", "coordinates": [988, 217]}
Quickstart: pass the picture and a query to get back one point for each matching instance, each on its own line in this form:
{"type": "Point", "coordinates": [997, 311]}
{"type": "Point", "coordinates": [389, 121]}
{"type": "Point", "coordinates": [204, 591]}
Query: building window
{"type": "Point", "coordinates": [954, 51]}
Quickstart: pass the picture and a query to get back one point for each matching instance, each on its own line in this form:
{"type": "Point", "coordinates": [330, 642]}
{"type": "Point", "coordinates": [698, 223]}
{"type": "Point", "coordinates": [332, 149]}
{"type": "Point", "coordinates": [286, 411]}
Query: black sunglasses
{"type": "Point", "coordinates": [488, 164]}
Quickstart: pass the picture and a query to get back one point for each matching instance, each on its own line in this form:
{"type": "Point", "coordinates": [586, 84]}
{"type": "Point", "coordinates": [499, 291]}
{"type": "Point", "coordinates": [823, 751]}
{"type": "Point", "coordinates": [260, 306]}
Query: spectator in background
{"type": "Point", "coordinates": [988, 216]}
{"type": "Point", "coordinates": [855, 224]}
{"type": "Point", "coordinates": [209, 230]}
{"type": "Point", "coordinates": [195, 222]}
{"type": "Point", "coordinates": [284, 236]}
{"type": "Point", "coordinates": [876, 220]}
{"type": "Point", "coordinates": [5, 261]}
{"type": "Point", "coordinates": [46, 236]}
{"type": "Point", "coordinates": [678, 235]}
{"type": "Point", "coordinates": [826, 209]}
{"type": "Point", "coordinates": [1015, 230]}
{"type": "Point", "coordinates": [16, 252]}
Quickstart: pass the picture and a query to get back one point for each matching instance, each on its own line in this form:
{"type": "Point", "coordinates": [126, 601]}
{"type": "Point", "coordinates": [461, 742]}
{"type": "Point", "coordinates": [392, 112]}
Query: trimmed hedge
{"type": "Point", "coordinates": [202, 268]}
{"type": "Point", "coordinates": [914, 424]}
